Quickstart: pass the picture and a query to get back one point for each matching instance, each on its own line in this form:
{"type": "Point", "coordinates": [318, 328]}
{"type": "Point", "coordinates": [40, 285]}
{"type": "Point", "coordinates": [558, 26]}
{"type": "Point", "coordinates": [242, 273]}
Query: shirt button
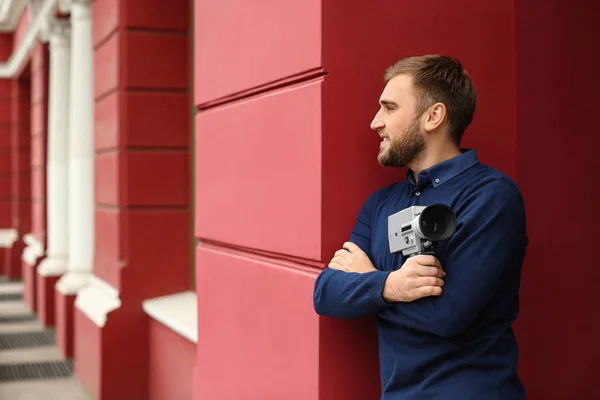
{"type": "Point", "coordinates": [437, 180]}
{"type": "Point", "coordinates": [417, 193]}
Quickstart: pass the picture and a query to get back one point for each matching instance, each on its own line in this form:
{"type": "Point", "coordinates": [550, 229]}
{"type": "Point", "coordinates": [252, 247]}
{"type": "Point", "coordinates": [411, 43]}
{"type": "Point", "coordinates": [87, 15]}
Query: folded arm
{"type": "Point", "coordinates": [342, 294]}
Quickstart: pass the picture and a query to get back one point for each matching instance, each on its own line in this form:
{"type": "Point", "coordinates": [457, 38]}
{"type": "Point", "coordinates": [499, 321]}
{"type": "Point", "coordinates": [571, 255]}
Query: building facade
{"type": "Point", "coordinates": [175, 174]}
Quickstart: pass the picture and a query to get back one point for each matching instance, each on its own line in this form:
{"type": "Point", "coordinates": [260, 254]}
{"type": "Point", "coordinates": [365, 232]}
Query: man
{"type": "Point", "coordinates": [444, 321]}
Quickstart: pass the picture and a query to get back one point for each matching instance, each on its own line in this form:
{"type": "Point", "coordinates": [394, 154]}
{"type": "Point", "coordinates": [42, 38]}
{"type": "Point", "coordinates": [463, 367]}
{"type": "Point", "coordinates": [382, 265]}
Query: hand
{"type": "Point", "coordinates": [420, 276]}
{"type": "Point", "coordinates": [352, 259]}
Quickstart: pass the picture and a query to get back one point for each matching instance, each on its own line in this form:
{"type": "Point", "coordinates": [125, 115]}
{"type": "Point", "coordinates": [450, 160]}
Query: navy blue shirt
{"type": "Point", "coordinates": [460, 345]}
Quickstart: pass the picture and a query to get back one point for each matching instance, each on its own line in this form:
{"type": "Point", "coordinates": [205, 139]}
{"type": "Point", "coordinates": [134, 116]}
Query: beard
{"type": "Point", "coordinates": [404, 150]}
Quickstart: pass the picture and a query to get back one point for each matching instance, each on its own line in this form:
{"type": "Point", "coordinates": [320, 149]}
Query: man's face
{"type": "Point", "coordinates": [397, 125]}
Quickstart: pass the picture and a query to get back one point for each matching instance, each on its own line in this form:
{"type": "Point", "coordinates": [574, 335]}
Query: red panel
{"type": "Point", "coordinates": [38, 220]}
{"type": "Point", "coordinates": [234, 38]}
{"type": "Point", "coordinates": [143, 120]}
{"type": "Point", "coordinates": [24, 189]}
{"type": "Point", "coordinates": [100, 363]}
{"type": "Point", "coordinates": [38, 119]}
{"type": "Point", "coordinates": [172, 360]}
{"type": "Point", "coordinates": [3, 251]}
{"type": "Point", "coordinates": [148, 116]}
{"type": "Point", "coordinates": [5, 112]}
{"type": "Point", "coordinates": [21, 159]}
{"type": "Point", "coordinates": [156, 14]}
{"type": "Point", "coordinates": [64, 323]}
{"type": "Point", "coordinates": [37, 87]}
{"type": "Point", "coordinates": [106, 121]}
{"type": "Point", "coordinates": [341, 357]}
{"type": "Point", "coordinates": [5, 132]}
{"type": "Point", "coordinates": [6, 86]}
{"type": "Point", "coordinates": [88, 354]}
{"type": "Point", "coordinates": [5, 185]}
{"type": "Point", "coordinates": [23, 208]}
{"type": "Point", "coordinates": [39, 58]}
{"type": "Point", "coordinates": [29, 285]}
{"type": "Point", "coordinates": [5, 164]}
{"type": "Point", "coordinates": [107, 180]}
{"type": "Point", "coordinates": [260, 336]}
{"type": "Point", "coordinates": [38, 152]}
{"type": "Point", "coordinates": [258, 172]}
{"type": "Point", "coordinates": [38, 183]}
{"type": "Point", "coordinates": [156, 253]}
{"type": "Point", "coordinates": [6, 45]}
{"type": "Point", "coordinates": [12, 262]}
{"type": "Point", "coordinates": [105, 19]}
{"type": "Point", "coordinates": [108, 237]}
{"type": "Point", "coordinates": [157, 179]}
{"type": "Point", "coordinates": [106, 66]}
{"type": "Point", "coordinates": [5, 215]}
{"type": "Point", "coordinates": [45, 299]}
{"type": "Point", "coordinates": [142, 67]}
{"type": "Point", "coordinates": [555, 35]}
{"type": "Point", "coordinates": [143, 170]}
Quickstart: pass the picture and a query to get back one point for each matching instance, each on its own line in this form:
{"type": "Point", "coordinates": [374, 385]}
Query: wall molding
{"type": "Point", "coordinates": [178, 311]}
{"type": "Point", "coordinates": [97, 299]}
{"type": "Point", "coordinates": [10, 13]}
{"type": "Point", "coordinates": [33, 251]}
{"type": "Point", "coordinates": [8, 237]}
{"type": "Point", "coordinates": [44, 13]}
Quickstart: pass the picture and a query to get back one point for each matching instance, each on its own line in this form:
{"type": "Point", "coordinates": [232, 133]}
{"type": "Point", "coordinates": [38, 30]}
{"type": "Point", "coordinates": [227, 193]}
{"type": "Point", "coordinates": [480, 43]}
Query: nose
{"type": "Point", "coordinates": [377, 122]}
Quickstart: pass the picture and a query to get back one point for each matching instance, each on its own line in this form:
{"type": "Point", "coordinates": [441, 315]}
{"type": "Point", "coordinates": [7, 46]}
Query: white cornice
{"type": "Point", "coordinates": [45, 11]}
{"type": "Point", "coordinates": [10, 12]}
{"type": "Point", "coordinates": [177, 311]}
{"type": "Point", "coordinates": [97, 299]}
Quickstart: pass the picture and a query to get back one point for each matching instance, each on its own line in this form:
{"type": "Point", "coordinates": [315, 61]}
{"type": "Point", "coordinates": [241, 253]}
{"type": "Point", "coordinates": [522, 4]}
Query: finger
{"type": "Point", "coordinates": [426, 291]}
{"type": "Point", "coordinates": [352, 248]}
{"type": "Point", "coordinates": [430, 281]}
{"type": "Point", "coordinates": [339, 260]}
{"type": "Point", "coordinates": [341, 253]}
{"type": "Point", "coordinates": [333, 265]}
{"type": "Point", "coordinates": [338, 267]}
{"type": "Point", "coordinates": [430, 271]}
{"type": "Point", "coordinates": [428, 260]}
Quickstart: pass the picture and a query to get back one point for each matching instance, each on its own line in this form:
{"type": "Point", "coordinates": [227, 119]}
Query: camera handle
{"type": "Point", "coordinates": [429, 249]}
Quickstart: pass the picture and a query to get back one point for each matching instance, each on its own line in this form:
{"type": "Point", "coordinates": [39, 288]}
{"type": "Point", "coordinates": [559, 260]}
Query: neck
{"type": "Point", "coordinates": [433, 155]}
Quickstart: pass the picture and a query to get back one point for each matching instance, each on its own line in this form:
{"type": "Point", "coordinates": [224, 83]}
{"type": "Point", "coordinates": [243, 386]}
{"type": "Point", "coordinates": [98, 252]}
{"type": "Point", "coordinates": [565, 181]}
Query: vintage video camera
{"type": "Point", "coordinates": [415, 230]}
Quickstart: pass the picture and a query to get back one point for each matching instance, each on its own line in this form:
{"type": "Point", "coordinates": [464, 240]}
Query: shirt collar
{"type": "Point", "coordinates": [442, 172]}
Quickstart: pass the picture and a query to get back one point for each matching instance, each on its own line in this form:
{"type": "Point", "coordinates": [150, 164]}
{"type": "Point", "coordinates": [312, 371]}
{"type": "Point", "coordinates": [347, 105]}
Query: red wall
{"type": "Point", "coordinates": [39, 135]}
{"type": "Point", "coordinates": [142, 183]}
{"type": "Point", "coordinates": [142, 137]}
{"type": "Point", "coordinates": [171, 364]}
{"type": "Point", "coordinates": [557, 169]}
{"type": "Point", "coordinates": [5, 164]}
{"type": "Point", "coordinates": [20, 169]}
{"type": "Point", "coordinates": [285, 159]}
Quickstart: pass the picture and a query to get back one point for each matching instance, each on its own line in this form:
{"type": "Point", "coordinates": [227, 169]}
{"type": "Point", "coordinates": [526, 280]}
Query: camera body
{"type": "Point", "coordinates": [416, 229]}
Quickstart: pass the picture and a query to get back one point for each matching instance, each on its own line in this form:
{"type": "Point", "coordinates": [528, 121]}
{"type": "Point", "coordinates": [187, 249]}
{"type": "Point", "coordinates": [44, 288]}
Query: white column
{"type": "Point", "coordinates": [81, 152]}
{"type": "Point", "coordinates": [55, 264]}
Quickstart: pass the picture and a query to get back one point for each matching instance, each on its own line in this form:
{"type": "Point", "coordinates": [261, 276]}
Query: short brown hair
{"type": "Point", "coordinates": [438, 78]}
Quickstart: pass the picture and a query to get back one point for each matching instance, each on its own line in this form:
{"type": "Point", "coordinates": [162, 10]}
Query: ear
{"type": "Point", "coordinates": [435, 116]}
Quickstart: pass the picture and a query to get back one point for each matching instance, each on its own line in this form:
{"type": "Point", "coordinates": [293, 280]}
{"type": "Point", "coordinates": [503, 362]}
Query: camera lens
{"type": "Point", "coordinates": [437, 222]}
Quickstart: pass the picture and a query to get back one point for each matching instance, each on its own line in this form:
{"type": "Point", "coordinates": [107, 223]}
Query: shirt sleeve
{"type": "Point", "coordinates": [342, 294]}
{"type": "Point", "coordinates": [487, 247]}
